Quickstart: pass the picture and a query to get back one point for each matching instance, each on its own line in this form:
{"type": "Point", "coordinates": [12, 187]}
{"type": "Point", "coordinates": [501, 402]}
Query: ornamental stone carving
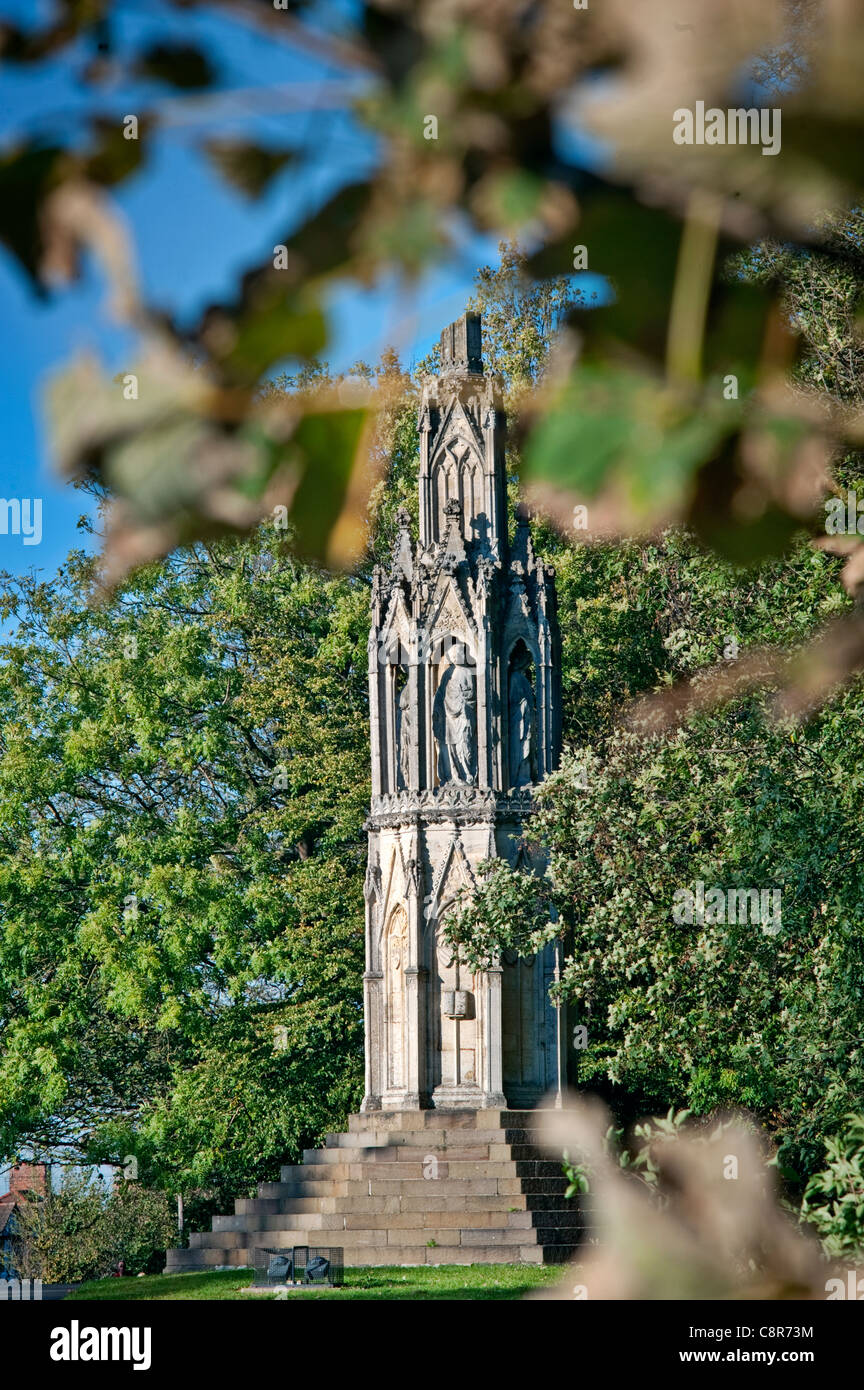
{"type": "Point", "coordinates": [454, 721]}
{"type": "Point", "coordinates": [405, 736]}
{"type": "Point", "coordinates": [464, 690]}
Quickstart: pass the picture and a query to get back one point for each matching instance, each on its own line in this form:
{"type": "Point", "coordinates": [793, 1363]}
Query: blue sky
{"type": "Point", "coordinates": [192, 234]}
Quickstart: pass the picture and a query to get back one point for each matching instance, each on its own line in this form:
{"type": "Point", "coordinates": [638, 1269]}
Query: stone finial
{"type": "Point", "coordinates": [462, 344]}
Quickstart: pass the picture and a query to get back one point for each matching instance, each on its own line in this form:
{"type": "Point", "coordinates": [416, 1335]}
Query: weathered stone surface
{"type": "Point", "coordinates": [466, 1204]}
{"type": "Point", "coordinates": [482, 1235]}
{"type": "Point", "coordinates": [437, 1233]}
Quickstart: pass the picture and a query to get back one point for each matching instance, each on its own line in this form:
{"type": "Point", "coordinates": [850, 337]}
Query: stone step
{"type": "Point", "coordinates": [362, 1140]}
{"type": "Point", "coordinates": [286, 1204]}
{"type": "Point", "coordinates": [431, 1141]}
{"type": "Point", "coordinates": [545, 1186]}
{"type": "Point", "coordinates": [450, 1210]}
{"type": "Point", "coordinates": [446, 1119]}
{"type": "Point", "coordinates": [493, 1194]}
{"type": "Point", "coordinates": [403, 1187]}
{"type": "Point", "coordinates": [540, 1201]}
{"type": "Point", "coordinates": [446, 1212]}
{"type": "Point", "coordinates": [565, 1219]}
{"type": "Point", "coordinates": [179, 1261]}
{"type": "Point", "coordinates": [396, 1236]}
{"type": "Point", "coordinates": [350, 1240]}
{"type": "Point", "coordinates": [379, 1221]}
{"type": "Point", "coordinates": [393, 1236]}
{"type": "Point", "coordinates": [405, 1153]}
{"type": "Point", "coordinates": [392, 1171]}
{"type": "Point", "coordinates": [256, 1206]}
{"type": "Point", "coordinates": [417, 1197]}
{"type": "Point", "coordinates": [371, 1256]}
{"type": "Point", "coordinates": [434, 1200]}
{"type": "Point", "coordinates": [396, 1168]}
{"type": "Point", "coordinates": [384, 1187]}
{"type": "Point", "coordinates": [419, 1221]}
{"type": "Point", "coordinates": [337, 1156]}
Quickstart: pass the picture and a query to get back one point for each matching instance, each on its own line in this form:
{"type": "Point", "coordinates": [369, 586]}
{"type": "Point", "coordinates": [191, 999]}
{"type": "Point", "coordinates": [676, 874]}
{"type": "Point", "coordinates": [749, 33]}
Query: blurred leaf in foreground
{"type": "Point", "coordinates": [184, 458]}
{"type": "Point", "coordinates": [694, 1233]}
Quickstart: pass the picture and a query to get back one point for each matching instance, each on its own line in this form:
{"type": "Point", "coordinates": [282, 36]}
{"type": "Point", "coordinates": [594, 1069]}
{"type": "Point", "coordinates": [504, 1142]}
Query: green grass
{"type": "Point", "coordinates": [389, 1282]}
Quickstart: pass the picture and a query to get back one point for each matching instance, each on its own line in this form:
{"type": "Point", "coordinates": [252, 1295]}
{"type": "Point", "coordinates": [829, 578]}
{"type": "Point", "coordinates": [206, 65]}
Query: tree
{"type": "Point", "coordinates": [707, 1014]}
{"type": "Point", "coordinates": [81, 1231]}
{"type": "Point", "coordinates": [765, 790]}
{"type": "Point", "coordinates": [183, 780]}
{"type": "Point", "coordinates": [834, 1199]}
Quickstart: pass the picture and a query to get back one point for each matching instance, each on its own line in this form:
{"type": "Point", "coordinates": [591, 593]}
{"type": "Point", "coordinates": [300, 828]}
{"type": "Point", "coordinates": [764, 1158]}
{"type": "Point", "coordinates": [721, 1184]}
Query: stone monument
{"type": "Point", "coordinates": [464, 686]}
{"type": "Point", "coordinates": [445, 1164]}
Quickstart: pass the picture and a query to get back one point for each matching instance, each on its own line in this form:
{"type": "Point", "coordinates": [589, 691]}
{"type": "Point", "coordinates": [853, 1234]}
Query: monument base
{"type": "Point", "coordinates": [409, 1188]}
{"type": "Point", "coordinates": [465, 1098]}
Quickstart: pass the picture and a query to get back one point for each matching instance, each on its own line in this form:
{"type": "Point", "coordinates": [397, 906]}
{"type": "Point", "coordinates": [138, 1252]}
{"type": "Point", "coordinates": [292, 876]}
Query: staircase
{"type": "Point", "coordinates": [409, 1188]}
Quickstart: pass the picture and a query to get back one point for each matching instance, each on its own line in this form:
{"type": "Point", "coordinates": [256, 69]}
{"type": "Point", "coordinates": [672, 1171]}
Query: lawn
{"type": "Point", "coordinates": [389, 1282]}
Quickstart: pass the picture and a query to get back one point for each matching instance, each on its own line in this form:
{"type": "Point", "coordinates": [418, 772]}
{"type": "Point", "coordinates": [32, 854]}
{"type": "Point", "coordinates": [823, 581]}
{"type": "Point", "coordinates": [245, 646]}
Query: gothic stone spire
{"type": "Point", "coordinates": [464, 687]}
{"type": "Point", "coordinates": [462, 428]}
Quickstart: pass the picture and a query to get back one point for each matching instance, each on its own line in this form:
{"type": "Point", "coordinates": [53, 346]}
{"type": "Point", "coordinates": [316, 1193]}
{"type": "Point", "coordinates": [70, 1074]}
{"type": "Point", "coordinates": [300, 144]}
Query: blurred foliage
{"type": "Point", "coordinates": [635, 1156]}
{"type": "Point", "coordinates": [634, 421]}
{"type": "Point", "coordinates": [667, 1221]}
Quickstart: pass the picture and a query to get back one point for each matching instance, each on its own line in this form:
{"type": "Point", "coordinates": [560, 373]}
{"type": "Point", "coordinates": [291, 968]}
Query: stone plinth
{"type": "Point", "coordinates": [410, 1188]}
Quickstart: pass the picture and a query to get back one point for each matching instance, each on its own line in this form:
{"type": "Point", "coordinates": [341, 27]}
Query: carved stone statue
{"type": "Point", "coordinates": [521, 725]}
{"type": "Point", "coordinates": [454, 721]}
{"type": "Point", "coordinates": [404, 735]}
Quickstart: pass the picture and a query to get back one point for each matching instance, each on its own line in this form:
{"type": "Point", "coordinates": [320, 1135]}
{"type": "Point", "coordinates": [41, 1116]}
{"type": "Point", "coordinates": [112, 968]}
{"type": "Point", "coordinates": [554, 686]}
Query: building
{"type": "Point", "coordinates": [24, 1178]}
